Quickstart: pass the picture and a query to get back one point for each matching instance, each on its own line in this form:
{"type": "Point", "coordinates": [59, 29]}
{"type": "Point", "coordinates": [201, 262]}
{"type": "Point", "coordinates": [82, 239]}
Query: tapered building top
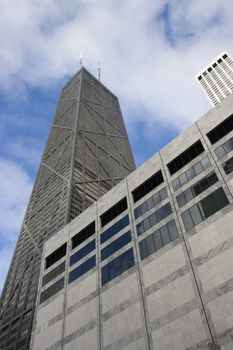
{"type": "Point", "coordinates": [86, 154]}
{"type": "Point", "coordinates": [216, 78]}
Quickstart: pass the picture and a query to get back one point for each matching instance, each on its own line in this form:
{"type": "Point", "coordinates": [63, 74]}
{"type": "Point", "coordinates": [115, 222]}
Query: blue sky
{"type": "Point", "coordinates": [149, 51]}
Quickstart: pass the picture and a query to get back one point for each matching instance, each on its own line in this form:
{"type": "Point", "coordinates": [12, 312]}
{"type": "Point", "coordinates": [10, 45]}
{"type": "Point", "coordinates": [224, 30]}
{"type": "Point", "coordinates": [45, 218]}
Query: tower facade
{"type": "Point", "coordinates": [87, 153]}
{"type": "Point", "coordinates": [216, 78]}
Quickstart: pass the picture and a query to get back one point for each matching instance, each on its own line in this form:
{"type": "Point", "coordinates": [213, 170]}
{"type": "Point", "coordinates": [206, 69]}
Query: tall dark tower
{"type": "Point", "coordinates": [87, 153]}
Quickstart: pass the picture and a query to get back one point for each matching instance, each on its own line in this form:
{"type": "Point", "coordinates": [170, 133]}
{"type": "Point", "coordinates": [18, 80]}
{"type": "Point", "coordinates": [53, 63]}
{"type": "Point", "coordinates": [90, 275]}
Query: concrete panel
{"type": "Point", "coordinates": [180, 334]}
{"type": "Point", "coordinates": [170, 297]}
{"type": "Point", "coordinates": [163, 265]}
{"type": "Point", "coordinates": [221, 310]}
{"type": "Point", "coordinates": [48, 337]}
{"type": "Point", "coordinates": [77, 291]}
{"type": "Point", "coordinates": [122, 324]}
{"type": "Point", "coordinates": [87, 341]}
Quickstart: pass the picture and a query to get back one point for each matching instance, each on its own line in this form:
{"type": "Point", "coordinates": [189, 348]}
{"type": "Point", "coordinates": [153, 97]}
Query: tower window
{"type": "Point", "coordinates": [55, 256]}
{"type": "Point", "coordinates": [153, 182]}
{"type": "Point", "coordinates": [113, 212]}
{"type": "Point", "coordinates": [221, 130]}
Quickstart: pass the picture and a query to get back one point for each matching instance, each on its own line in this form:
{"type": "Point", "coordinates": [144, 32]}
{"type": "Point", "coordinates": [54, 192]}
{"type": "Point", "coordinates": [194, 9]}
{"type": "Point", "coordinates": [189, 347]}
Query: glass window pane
{"type": "Point", "coordinates": [144, 208]}
{"type": "Point", "coordinates": [172, 229]}
{"type": "Point", "coordinates": [181, 200]}
{"type": "Point", "coordinates": [156, 198]}
{"type": "Point", "coordinates": [220, 152]}
{"type": "Point", "coordinates": [150, 203]}
{"type": "Point", "coordinates": [137, 212]}
{"type": "Point", "coordinates": [146, 224]}
{"type": "Point", "coordinates": [153, 219]}
{"type": "Point", "coordinates": [150, 245]}
{"type": "Point", "coordinates": [176, 184]}
{"type": "Point", "coordinates": [190, 174]}
{"type": "Point", "coordinates": [183, 179]}
{"type": "Point", "coordinates": [163, 193]}
{"type": "Point", "coordinates": [197, 189]}
{"type": "Point", "coordinates": [205, 162]}
{"type": "Point", "coordinates": [198, 168]}
{"type": "Point", "coordinates": [188, 224]}
{"type": "Point", "coordinates": [165, 234]}
{"type": "Point", "coordinates": [143, 249]}
{"type": "Point", "coordinates": [157, 240]}
{"type": "Point", "coordinates": [167, 210]}
{"type": "Point", "coordinates": [228, 166]}
{"type": "Point", "coordinates": [195, 214]}
{"type": "Point", "coordinates": [228, 146]}
{"type": "Point", "coordinates": [188, 195]}
{"type": "Point", "coordinates": [140, 228]}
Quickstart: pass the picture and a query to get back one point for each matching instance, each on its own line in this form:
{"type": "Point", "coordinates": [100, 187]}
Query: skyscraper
{"type": "Point", "coordinates": [86, 154]}
{"type": "Point", "coordinates": [216, 78]}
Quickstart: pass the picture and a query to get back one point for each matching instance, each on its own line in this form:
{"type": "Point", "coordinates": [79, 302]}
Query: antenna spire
{"type": "Point", "coordinates": [81, 58]}
{"type": "Point", "coordinates": [99, 71]}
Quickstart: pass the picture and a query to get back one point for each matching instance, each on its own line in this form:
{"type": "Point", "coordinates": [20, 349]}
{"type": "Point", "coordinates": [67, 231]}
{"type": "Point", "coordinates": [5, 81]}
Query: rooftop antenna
{"type": "Point", "coordinates": [81, 58]}
{"type": "Point", "coordinates": [99, 71]}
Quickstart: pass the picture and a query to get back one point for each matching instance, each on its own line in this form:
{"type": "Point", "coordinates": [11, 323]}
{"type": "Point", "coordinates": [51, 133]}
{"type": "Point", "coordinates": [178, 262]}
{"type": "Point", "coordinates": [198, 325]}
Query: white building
{"type": "Point", "coordinates": [216, 78]}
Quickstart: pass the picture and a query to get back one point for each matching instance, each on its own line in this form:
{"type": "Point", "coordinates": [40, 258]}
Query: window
{"type": "Point", "coordinates": [148, 186]}
{"type": "Point", "coordinates": [116, 245]}
{"type": "Point", "coordinates": [154, 218]}
{"type": "Point", "coordinates": [224, 56]}
{"type": "Point", "coordinates": [224, 149]}
{"type": "Point", "coordinates": [196, 189]}
{"type": "Point", "coordinates": [185, 157]}
{"type": "Point", "coordinates": [83, 235]}
{"type": "Point", "coordinates": [158, 239]}
{"type": "Point", "coordinates": [192, 172]}
{"type": "Point", "coordinates": [150, 202]}
{"type": "Point", "coordinates": [113, 212]}
{"type": "Point", "coordinates": [221, 130]}
{"type": "Point", "coordinates": [228, 166]}
{"type": "Point", "coordinates": [82, 252]}
{"type": "Point", "coordinates": [205, 208]}
{"type": "Point", "coordinates": [55, 256]}
{"type": "Point", "coordinates": [114, 229]}
{"type": "Point", "coordinates": [52, 290]}
{"type": "Point", "coordinates": [117, 266]}
{"type": "Point", "coordinates": [53, 273]}
{"type": "Point", "coordinates": [82, 269]}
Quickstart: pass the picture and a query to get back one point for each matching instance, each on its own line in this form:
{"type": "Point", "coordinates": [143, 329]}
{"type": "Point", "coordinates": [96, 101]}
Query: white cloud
{"type": "Point", "coordinates": [42, 44]}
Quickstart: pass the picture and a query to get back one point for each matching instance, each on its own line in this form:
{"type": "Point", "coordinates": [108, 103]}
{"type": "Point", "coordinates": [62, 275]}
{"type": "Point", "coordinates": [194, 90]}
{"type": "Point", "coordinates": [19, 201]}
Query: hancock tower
{"type": "Point", "coordinates": [86, 154]}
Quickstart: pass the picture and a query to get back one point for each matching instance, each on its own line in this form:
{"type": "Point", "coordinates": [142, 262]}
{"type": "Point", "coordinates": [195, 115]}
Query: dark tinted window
{"type": "Point", "coordinates": [185, 157]}
{"type": "Point", "coordinates": [82, 269]}
{"type": "Point", "coordinates": [224, 56]}
{"type": "Point", "coordinates": [154, 218]}
{"type": "Point", "coordinates": [55, 256]}
{"type": "Point", "coordinates": [83, 235]}
{"type": "Point", "coordinates": [196, 189]}
{"type": "Point", "coordinates": [53, 273]}
{"type": "Point", "coordinates": [116, 245]}
{"type": "Point", "coordinates": [228, 166]}
{"type": "Point", "coordinates": [53, 289]}
{"type": "Point", "coordinates": [117, 266]}
{"type": "Point", "coordinates": [205, 208]}
{"type": "Point", "coordinates": [221, 130]}
{"type": "Point", "coordinates": [111, 231]}
{"type": "Point", "coordinates": [82, 252]}
{"type": "Point", "coordinates": [147, 186]}
{"type": "Point", "coordinates": [113, 212]}
{"type": "Point", "coordinates": [158, 239]}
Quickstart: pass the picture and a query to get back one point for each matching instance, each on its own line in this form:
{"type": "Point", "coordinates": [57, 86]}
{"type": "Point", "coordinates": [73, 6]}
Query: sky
{"type": "Point", "coordinates": [150, 52]}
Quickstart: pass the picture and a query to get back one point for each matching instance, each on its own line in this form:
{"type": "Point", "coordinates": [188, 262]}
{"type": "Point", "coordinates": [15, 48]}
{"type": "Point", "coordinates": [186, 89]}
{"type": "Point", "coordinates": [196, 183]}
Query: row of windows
{"type": "Point", "coordinates": [82, 252]}
{"type": "Point", "coordinates": [82, 269]}
{"type": "Point", "coordinates": [150, 203]}
{"type": "Point", "coordinates": [228, 166]}
{"type": "Point", "coordinates": [158, 239]}
{"type": "Point", "coordinates": [196, 189]}
{"type": "Point", "coordinates": [224, 149]}
{"type": "Point", "coordinates": [114, 229]}
{"type": "Point", "coordinates": [117, 266]}
{"type": "Point", "coordinates": [204, 209]}
{"type": "Point", "coordinates": [192, 172]}
{"type": "Point", "coordinates": [116, 245]}
{"type": "Point", "coordinates": [154, 218]}
{"type": "Point", "coordinates": [153, 182]}
{"type": "Point", "coordinates": [53, 289]}
{"type": "Point", "coordinates": [53, 273]}
{"type": "Point", "coordinates": [184, 158]}
{"type": "Point", "coordinates": [221, 130]}
{"type": "Point", "coordinates": [113, 212]}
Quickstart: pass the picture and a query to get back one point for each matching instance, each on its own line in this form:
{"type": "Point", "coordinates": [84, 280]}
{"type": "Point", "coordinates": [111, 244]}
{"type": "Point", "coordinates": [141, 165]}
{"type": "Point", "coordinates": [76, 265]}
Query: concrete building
{"type": "Point", "coordinates": [87, 153]}
{"type": "Point", "coordinates": [216, 78]}
{"type": "Point", "coordinates": [149, 266]}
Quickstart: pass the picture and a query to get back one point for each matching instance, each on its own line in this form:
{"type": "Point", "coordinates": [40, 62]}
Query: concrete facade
{"type": "Point", "coordinates": [178, 298]}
